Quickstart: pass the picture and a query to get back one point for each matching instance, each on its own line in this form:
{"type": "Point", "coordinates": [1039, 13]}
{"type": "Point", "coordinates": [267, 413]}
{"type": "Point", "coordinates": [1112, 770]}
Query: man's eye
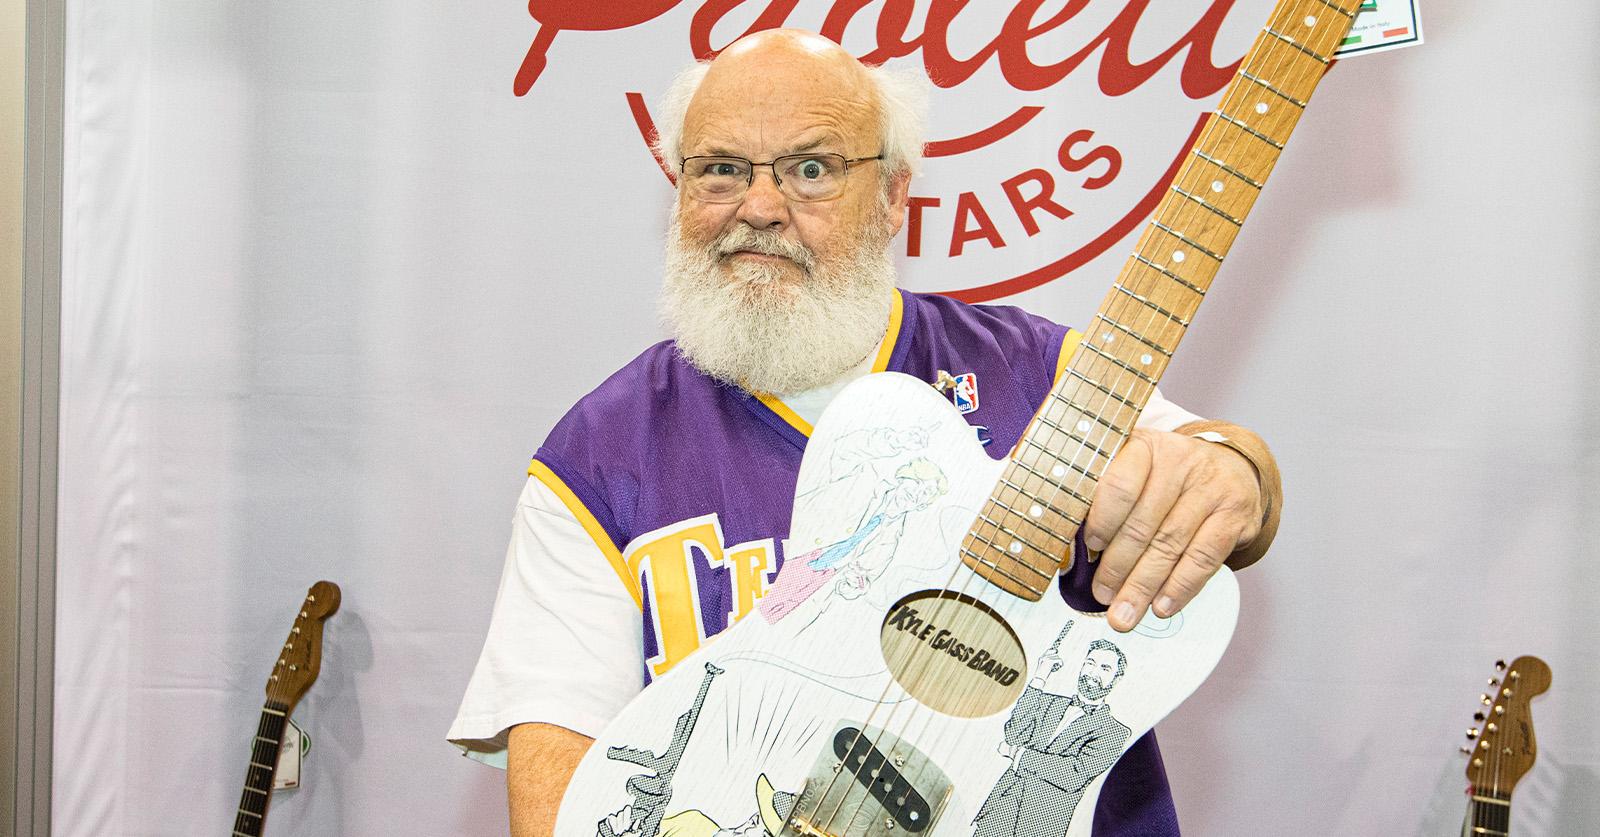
{"type": "Point", "coordinates": [722, 170]}
{"type": "Point", "coordinates": [811, 169]}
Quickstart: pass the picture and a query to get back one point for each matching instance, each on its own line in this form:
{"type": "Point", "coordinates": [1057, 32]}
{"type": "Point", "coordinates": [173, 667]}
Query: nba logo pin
{"type": "Point", "coordinates": [965, 393]}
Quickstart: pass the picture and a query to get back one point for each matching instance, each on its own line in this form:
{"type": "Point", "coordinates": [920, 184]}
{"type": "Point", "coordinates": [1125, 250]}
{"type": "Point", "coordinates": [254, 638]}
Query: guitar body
{"type": "Point", "coordinates": [881, 687]}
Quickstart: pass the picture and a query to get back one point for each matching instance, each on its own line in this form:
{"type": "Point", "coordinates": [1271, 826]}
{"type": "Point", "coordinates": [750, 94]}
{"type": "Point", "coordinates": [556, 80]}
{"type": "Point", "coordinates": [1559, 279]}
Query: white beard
{"type": "Point", "coordinates": [761, 330]}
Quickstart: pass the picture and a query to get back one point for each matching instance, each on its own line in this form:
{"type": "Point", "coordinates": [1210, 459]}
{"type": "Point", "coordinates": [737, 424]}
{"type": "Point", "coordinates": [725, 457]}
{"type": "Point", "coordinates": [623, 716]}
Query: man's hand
{"type": "Point", "coordinates": [1168, 512]}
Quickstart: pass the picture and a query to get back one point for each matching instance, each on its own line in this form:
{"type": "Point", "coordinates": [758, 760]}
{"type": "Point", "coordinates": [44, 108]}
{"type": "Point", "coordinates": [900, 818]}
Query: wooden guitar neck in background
{"type": "Point", "coordinates": [1503, 747]}
{"type": "Point", "coordinates": [292, 675]}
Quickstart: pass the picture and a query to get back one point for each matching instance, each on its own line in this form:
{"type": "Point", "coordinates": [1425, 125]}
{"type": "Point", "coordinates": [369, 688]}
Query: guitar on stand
{"type": "Point", "coordinates": [296, 669]}
{"type": "Point", "coordinates": [1503, 747]}
{"type": "Point", "coordinates": [903, 702]}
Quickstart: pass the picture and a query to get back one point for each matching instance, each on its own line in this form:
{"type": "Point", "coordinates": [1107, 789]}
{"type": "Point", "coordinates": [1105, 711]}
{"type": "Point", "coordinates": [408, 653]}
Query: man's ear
{"type": "Point", "coordinates": [897, 200]}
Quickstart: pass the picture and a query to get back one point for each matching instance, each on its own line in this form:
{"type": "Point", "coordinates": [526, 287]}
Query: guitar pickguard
{"type": "Point", "coordinates": [1014, 710]}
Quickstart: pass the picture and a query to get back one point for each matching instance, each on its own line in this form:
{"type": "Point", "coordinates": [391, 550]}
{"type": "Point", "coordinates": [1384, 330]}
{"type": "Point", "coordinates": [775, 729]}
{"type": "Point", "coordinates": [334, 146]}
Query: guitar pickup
{"type": "Point", "coordinates": [871, 783]}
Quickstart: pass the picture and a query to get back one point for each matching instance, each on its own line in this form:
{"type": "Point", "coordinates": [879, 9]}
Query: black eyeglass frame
{"type": "Point", "coordinates": [772, 164]}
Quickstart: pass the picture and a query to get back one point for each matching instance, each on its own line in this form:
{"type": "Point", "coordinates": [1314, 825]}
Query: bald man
{"type": "Point", "coordinates": [794, 162]}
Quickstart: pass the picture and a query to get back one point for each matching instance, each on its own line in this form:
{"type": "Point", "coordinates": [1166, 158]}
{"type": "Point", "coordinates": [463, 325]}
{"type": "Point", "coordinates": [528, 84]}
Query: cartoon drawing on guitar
{"type": "Point", "coordinates": [859, 558]}
{"type": "Point", "coordinates": [885, 718]}
{"type": "Point", "coordinates": [1060, 736]}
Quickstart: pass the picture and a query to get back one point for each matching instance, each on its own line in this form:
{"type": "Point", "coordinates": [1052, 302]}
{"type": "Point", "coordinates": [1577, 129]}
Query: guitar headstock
{"type": "Point", "coordinates": [301, 658]}
{"type": "Point", "coordinates": [1502, 745]}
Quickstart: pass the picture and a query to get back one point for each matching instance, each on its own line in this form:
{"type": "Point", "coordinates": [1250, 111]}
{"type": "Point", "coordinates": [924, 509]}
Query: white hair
{"type": "Point", "coordinates": [902, 117]}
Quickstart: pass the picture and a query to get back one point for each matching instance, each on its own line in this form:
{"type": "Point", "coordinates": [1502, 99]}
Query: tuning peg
{"type": "Point", "coordinates": [1485, 699]}
{"type": "Point", "coordinates": [1466, 750]}
{"type": "Point", "coordinates": [1516, 675]}
{"type": "Point", "coordinates": [1493, 682]}
{"type": "Point", "coordinates": [1499, 665]}
{"type": "Point", "coordinates": [1472, 733]}
{"type": "Point", "coordinates": [1478, 716]}
{"type": "Point", "coordinates": [1493, 728]}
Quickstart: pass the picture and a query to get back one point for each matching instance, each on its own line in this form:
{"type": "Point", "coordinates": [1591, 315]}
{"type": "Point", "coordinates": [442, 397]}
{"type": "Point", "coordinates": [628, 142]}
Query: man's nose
{"type": "Point", "coordinates": [764, 207]}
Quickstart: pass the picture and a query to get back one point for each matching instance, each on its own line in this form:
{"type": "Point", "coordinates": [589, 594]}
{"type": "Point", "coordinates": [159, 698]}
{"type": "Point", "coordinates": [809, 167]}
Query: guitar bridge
{"type": "Point", "coordinates": [868, 783]}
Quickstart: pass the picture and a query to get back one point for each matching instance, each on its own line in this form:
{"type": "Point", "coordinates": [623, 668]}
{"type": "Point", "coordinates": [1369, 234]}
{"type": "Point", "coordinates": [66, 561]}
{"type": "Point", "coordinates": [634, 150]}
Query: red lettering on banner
{"type": "Point", "coordinates": [1025, 207]}
{"type": "Point", "coordinates": [1117, 73]}
{"type": "Point", "coordinates": [1111, 156]}
{"type": "Point", "coordinates": [914, 223]}
{"type": "Point", "coordinates": [968, 206]}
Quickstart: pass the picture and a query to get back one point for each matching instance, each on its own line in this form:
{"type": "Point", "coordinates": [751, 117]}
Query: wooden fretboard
{"type": "Point", "coordinates": [263, 766]}
{"type": "Point", "coordinates": [1024, 534]}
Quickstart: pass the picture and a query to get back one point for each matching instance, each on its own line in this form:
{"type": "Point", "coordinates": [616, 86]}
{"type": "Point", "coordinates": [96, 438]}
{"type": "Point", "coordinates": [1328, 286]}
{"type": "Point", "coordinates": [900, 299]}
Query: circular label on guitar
{"type": "Point", "coordinates": [953, 653]}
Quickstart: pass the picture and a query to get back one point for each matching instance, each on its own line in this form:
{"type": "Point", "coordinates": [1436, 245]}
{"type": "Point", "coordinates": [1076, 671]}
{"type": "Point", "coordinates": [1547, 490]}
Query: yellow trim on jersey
{"type": "Point", "coordinates": [1068, 344]}
{"type": "Point", "coordinates": [891, 336]}
{"type": "Point", "coordinates": [788, 415]}
{"type": "Point", "coordinates": [541, 472]}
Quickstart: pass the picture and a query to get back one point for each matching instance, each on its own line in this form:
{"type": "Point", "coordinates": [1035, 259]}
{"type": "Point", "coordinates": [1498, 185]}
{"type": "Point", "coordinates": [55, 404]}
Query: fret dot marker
{"type": "Point", "coordinates": [1016, 547]}
{"type": "Point", "coordinates": [1058, 471]}
{"type": "Point", "coordinates": [1261, 107]}
{"type": "Point", "coordinates": [1145, 359]}
{"type": "Point", "coordinates": [1035, 510]}
{"type": "Point", "coordinates": [1216, 185]}
{"type": "Point", "coordinates": [1178, 256]}
{"type": "Point", "coordinates": [1311, 20]}
{"type": "Point", "coordinates": [1083, 426]}
{"type": "Point", "coordinates": [1106, 337]}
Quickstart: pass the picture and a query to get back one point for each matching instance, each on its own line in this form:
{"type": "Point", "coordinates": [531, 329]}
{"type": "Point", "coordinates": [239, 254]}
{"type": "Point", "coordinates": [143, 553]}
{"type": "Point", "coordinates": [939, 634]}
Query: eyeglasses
{"type": "Point", "coordinates": [800, 177]}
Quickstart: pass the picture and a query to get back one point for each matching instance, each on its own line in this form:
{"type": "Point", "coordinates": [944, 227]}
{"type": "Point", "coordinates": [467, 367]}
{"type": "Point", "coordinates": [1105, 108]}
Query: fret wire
{"type": "Point", "coordinates": [1139, 338]}
{"type": "Point", "coordinates": [1492, 800]}
{"type": "Point", "coordinates": [1185, 239]}
{"type": "Point", "coordinates": [1007, 556]}
{"type": "Point", "coordinates": [1110, 393]}
{"type": "Point", "coordinates": [1291, 42]}
{"type": "Point", "coordinates": [1084, 442]}
{"type": "Point", "coordinates": [260, 765]}
{"type": "Point", "coordinates": [1279, 93]}
{"type": "Point", "coordinates": [1337, 8]}
{"type": "Point", "coordinates": [1151, 305]}
{"type": "Point", "coordinates": [1043, 506]}
{"type": "Point", "coordinates": [253, 790]}
{"type": "Point", "coordinates": [1170, 275]}
{"type": "Point", "coordinates": [250, 813]}
{"type": "Point", "coordinates": [1018, 537]}
{"type": "Point", "coordinates": [1086, 414]}
{"type": "Point", "coordinates": [1249, 130]}
{"type": "Point", "coordinates": [1059, 486]}
{"type": "Point", "coordinates": [1029, 521]}
{"type": "Point", "coordinates": [1119, 362]}
{"type": "Point", "coordinates": [1202, 201]}
{"type": "Point", "coordinates": [997, 568]}
{"type": "Point", "coordinates": [272, 711]}
{"type": "Point", "coordinates": [1230, 170]}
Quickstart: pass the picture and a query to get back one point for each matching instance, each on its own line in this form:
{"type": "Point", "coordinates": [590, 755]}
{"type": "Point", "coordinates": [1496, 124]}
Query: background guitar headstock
{"type": "Point", "coordinates": [1503, 746]}
{"type": "Point", "coordinates": [301, 658]}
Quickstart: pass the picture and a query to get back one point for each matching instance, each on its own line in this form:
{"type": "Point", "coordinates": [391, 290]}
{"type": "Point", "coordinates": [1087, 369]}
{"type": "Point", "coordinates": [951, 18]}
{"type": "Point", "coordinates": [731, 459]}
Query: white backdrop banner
{"type": "Point", "coordinates": [333, 270]}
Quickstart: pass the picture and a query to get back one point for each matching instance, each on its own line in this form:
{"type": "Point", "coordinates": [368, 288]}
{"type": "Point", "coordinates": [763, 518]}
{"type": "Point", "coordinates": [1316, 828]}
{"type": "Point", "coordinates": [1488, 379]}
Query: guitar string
{"type": "Point", "coordinates": [275, 693]}
{"type": "Point", "coordinates": [1268, 47]}
{"type": "Point", "coordinates": [1267, 50]}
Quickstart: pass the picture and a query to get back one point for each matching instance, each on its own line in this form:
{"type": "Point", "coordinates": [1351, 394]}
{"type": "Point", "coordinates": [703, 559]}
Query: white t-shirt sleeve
{"type": "Point", "coordinates": [1161, 414]}
{"type": "Point", "coordinates": [564, 641]}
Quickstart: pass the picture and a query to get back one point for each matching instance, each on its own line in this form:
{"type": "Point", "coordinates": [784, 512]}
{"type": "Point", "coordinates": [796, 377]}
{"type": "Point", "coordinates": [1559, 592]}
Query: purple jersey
{"type": "Point", "coordinates": [692, 482]}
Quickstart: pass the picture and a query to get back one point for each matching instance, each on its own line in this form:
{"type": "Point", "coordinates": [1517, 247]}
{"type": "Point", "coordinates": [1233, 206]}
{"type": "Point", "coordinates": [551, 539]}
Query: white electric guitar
{"type": "Point", "coordinates": [912, 671]}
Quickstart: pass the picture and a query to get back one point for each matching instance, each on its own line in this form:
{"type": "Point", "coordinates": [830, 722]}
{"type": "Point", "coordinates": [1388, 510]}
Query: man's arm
{"type": "Point", "coordinates": [540, 760]}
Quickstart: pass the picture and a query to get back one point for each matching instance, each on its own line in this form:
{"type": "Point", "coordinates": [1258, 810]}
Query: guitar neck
{"type": "Point", "coordinates": [252, 815]}
{"type": "Point", "coordinates": [1488, 814]}
{"type": "Point", "coordinates": [1023, 536]}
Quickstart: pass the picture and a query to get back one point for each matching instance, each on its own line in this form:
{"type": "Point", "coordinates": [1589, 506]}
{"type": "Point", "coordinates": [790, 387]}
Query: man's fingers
{"type": "Point", "coordinates": [1211, 545]}
{"type": "Point", "coordinates": [1117, 492]}
{"type": "Point", "coordinates": [1158, 560]}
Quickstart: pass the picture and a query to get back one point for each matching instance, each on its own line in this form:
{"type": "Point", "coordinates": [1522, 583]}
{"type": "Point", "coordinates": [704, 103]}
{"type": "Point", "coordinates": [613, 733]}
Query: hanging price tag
{"type": "Point", "coordinates": [1383, 25]}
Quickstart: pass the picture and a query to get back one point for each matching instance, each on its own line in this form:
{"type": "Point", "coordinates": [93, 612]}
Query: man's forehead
{"type": "Point", "coordinates": [781, 91]}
